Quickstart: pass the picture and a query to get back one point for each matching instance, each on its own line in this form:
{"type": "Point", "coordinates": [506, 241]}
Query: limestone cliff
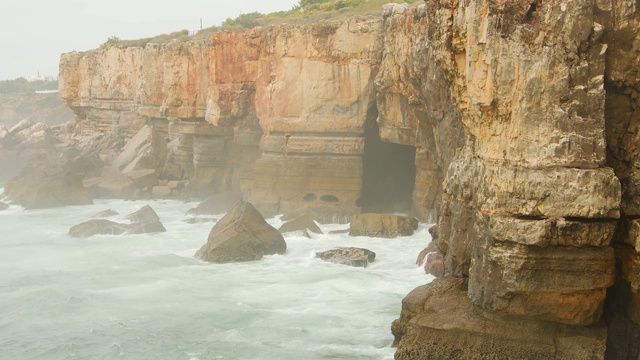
{"type": "Point", "coordinates": [286, 114]}
{"type": "Point", "coordinates": [514, 122]}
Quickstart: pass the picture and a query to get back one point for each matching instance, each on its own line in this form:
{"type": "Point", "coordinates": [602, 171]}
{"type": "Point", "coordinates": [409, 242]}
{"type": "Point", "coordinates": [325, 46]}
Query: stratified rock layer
{"type": "Point", "coordinates": [515, 123]}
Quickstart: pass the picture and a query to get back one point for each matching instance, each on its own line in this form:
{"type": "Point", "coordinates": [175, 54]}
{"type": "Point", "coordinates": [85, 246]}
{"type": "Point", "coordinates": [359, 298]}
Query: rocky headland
{"type": "Point", "coordinates": [512, 124]}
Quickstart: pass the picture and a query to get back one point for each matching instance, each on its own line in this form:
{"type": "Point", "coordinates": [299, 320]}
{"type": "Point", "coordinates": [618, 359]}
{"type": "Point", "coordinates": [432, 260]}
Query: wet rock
{"type": "Point", "coordinates": [351, 256]}
{"type": "Point", "coordinates": [301, 223]}
{"type": "Point", "coordinates": [145, 215]}
{"type": "Point", "coordinates": [106, 213]}
{"type": "Point", "coordinates": [380, 225]}
{"type": "Point", "coordinates": [456, 329]}
{"type": "Point", "coordinates": [146, 228]}
{"type": "Point", "coordinates": [97, 227]}
{"type": "Point", "coordinates": [241, 235]}
{"type": "Point", "coordinates": [143, 221]}
{"type": "Point", "coordinates": [47, 182]}
{"type": "Point", "coordinates": [217, 204]}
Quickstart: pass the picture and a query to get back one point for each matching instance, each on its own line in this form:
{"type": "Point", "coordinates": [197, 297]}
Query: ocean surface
{"type": "Point", "coordinates": [146, 297]}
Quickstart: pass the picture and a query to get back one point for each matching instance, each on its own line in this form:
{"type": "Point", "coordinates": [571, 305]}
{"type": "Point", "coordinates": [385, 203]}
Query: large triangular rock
{"type": "Point", "coordinates": [139, 143]}
{"type": "Point", "coordinates": [145, 214]}
{"type": "Point", "coordinates": [242, 235]}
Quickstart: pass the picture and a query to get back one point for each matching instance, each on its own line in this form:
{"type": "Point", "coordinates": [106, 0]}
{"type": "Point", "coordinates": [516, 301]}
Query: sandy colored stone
{"type": "Point", "coordinates": [380, 225]}
{"type": "Point", "coordinates": [97, 227]}
{"type": "Point", "coordinates": [357, 257]}
{"type": "Point", "coordinates": [300, 223]}
{"type": "Point", "coordinates": [439, 322]}
{"type": "Point", "coordinates": [241, 235]}
{"type": "Point", "coordinates": [143, 177]}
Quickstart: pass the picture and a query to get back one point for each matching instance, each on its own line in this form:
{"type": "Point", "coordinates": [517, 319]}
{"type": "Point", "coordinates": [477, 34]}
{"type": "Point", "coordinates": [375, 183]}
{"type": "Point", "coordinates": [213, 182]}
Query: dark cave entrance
{"type": "Point", "coordinates": [388, 174]}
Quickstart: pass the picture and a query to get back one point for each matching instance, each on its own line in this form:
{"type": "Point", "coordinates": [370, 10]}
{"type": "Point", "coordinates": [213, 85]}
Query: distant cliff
{"type": "Point", "coordinates": [512, 122]}
{"type": "Point", "coordinates": [46, 108]}
{"type": "Point", "coordinates": [291, 115]}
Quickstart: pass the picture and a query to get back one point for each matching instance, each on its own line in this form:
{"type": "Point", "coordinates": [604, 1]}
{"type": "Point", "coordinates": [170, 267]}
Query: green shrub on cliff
{"type": "Point", "coordinates": [112, 41]}
{"type": "Point", "coordinates": [307, 11]}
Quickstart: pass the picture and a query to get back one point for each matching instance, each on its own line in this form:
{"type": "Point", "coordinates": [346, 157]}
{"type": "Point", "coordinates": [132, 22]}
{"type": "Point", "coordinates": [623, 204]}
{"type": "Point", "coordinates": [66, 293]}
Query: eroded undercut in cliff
{"type": "Point", "coordinates": [388, 174]}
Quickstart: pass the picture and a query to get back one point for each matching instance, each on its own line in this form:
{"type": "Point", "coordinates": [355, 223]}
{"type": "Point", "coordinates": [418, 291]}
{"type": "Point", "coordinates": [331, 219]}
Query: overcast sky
{"type": "Point", "coordinates": [33, 33]}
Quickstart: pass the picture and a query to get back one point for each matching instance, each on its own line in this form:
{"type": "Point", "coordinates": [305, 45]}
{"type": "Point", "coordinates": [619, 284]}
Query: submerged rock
{"type": "Point", "coordinates": [380, 225]}
{"type": "Point", "coordinates": [301, 223]}
{"type": "Point", "coordinates": [348, 256]}
{"type": "Point", "coordinates": [241, 235]}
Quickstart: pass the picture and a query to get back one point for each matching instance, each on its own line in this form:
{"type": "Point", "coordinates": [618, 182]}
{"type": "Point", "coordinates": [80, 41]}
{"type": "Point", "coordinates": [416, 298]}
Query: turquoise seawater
{"type": "Point", "coordinates": [146, 297]}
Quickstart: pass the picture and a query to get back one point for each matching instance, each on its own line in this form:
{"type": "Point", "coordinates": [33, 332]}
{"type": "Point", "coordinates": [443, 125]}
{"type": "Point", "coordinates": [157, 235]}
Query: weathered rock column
{"type": "Point", "coordinates": [529, 207]}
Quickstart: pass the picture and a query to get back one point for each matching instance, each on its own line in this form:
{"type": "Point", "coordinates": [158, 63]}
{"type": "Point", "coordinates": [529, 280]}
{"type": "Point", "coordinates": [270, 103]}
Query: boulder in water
{"type": "Point", "coordinates": [145, 214]}
{"type": "Point", "coordinates": [143, 221]}
{"type": "Point", "coordinates": [380, 225]}
{"type": "Point", "coordinates": [348, 256]}
{"type": "Point", "coordinates": [301, 223]}
{"type": "Point", "coordinates": [241, 235]}
{"type": "Point", "coordinates": [97, 227]}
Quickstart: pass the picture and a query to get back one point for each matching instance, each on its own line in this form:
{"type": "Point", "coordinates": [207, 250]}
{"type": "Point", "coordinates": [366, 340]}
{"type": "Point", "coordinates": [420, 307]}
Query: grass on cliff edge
{"type": "Point", "coordinates": [306, 12]}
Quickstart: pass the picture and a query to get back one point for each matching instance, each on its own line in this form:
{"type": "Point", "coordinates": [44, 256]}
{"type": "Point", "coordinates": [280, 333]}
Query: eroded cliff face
{"type": "Point", "coordinates": [289, 115]}
{"type": "Point", "coordinates": [532, 202]}
{"type": "Point", "coordinates": [515, 122]}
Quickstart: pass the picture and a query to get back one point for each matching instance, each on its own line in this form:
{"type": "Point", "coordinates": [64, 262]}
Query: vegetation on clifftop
{"type": "Point", "coordinates": [22, 86]}
{"type": "Point", "coordinates": [307, 11]}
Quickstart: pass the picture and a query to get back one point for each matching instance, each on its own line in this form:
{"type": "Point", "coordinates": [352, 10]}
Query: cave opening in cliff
{"type": "Point", "coordinates": [388, 174]}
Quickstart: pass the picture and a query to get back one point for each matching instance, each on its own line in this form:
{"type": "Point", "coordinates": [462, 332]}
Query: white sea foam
{"type": "Point", "coordinates": [145, 296]}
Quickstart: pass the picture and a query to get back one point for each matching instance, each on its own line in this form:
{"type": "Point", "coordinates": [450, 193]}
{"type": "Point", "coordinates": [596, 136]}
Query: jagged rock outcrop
{"type": "Point", "coordinates": [439, 322]}
{"type": "Point", "coordinates": [241, 235]}
{"type": "Point", "coordinates": [143, 221]}
{"type": "Point", "coordinates": [530, 205]}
